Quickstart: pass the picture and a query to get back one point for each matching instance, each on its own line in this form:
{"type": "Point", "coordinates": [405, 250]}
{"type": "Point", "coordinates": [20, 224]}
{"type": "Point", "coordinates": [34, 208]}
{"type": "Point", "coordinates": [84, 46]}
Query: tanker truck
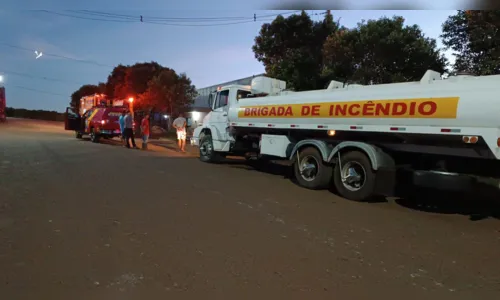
{"type": "Point", "coordinates": [356, 137]}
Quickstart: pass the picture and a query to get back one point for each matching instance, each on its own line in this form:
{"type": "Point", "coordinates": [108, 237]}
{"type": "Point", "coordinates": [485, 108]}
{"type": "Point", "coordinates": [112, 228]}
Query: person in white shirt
{"type": "Point", "coordinates": [129, 130]}
{"type": "Point", "coordinates": [180, 125]}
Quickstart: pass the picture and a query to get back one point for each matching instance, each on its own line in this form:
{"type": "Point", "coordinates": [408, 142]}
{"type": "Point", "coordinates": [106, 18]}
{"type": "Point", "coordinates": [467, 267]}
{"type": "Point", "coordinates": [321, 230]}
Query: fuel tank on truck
{"type": "Point", "coordinates": [471, 101]}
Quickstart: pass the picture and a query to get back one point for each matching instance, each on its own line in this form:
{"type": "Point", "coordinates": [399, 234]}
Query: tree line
{"type": "Point", "coordinates": [152, 86]}
{"type": "Point", "coordinates": [34, 114]}
{"type": "Point", "coordinates": [309, 54]}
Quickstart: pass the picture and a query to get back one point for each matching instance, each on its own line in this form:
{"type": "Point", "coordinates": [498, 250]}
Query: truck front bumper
{"type": "Point", "coordinates": [115, 132]}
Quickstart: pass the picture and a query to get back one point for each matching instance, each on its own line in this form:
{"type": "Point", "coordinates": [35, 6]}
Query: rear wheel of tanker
{"type": "Point", "coordinates": [310, 170]}
{"type": "Point", "coordinates": [354, 177]}
{"type": "Point", "coordinates": [78, 135]}
{"type": "Point", "coordinates": [94, 137]}
{"type": "Point", "coordinates": [207, 153]}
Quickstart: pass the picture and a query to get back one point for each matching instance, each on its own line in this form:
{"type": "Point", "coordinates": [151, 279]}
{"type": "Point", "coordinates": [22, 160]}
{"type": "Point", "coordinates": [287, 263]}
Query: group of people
{"type": "Point", "coordinates": [126, 121]}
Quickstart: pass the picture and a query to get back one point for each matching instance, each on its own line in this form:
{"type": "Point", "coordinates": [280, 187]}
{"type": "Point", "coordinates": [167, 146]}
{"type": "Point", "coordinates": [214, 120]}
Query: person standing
{"type": "Point", "coordinates": [121, 121]}
{"type": "Point", "coordinates": [145, 131]}
{"type": "Point", "coordinates": [129, 130]}
{"type": "Point", "coordinates": [180, 125]}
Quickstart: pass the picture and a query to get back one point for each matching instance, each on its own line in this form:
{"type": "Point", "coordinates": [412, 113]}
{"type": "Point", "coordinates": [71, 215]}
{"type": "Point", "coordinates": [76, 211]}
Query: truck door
{"type": "Point", "coordinates": [219, 115]}
{"type": "Point", "coordinates": [72, 120]}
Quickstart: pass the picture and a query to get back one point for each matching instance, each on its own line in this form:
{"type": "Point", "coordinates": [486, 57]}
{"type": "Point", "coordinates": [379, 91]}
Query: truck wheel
{"type": "Point", "coordinates": [78, 135]}
{"type": "Point", "coordinates": [311, 171]}
{"type": "Point", "coordinates": [207, 153]}
{"type": "Point", "coordinates": [94, 137]}
{"type": "Point", "coordinates": [354, 177]}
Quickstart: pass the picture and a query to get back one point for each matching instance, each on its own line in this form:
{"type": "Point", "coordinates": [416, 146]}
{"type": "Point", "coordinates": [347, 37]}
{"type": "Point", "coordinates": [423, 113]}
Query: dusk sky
{"type": "Point", "coordinates": [208, 54]}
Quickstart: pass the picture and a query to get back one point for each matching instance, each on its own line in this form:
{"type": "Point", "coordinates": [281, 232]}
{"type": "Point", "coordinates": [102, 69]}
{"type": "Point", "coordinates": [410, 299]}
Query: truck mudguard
{"type": "Point", "coordinates": [212, 130]}
{"type": "Point", "coordinates": [376, 155]}
{"type": "Point", "coordinates": [323, 148]}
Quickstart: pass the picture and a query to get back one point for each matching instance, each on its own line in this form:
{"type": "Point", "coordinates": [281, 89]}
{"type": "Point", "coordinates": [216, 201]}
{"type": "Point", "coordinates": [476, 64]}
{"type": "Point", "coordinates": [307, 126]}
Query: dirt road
{"type": "Point", "coordinates": [97, 221]}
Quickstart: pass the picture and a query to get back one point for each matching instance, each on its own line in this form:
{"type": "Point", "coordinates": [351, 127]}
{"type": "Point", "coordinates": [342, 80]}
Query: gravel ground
{"type": "Point", "coordinates": [97, 221]}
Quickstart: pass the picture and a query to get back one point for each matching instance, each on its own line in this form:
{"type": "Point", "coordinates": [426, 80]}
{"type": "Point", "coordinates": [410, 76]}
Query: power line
{"type": "Point", "coordinates": [38, 77]}
{"type": "Point", "coordinates": [105, 14]}
{"type": "Point", "coordinates": [139, 19]}
{"type": "Point", "coordinates": [201, 25]}
{"type": "Point", "coordinates": [190, 19]}
{"type": "Point", "coordinates": [56, 55]}
{"type": "Point", "coordinates": [88, 18]}
{"type": "Point", "coordinates": [38, 91]}
{"type": "Point", "coordinates": [119, 18]}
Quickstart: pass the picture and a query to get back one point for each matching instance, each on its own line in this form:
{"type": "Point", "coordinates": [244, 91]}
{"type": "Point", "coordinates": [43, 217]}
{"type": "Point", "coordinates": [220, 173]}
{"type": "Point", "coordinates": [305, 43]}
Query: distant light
{"type": "Point", "coordinates": [165, 116]}
{"type": "Point", "coordinates": [195, 115]}
{"type": "Point", "coordinates": [130, 99]}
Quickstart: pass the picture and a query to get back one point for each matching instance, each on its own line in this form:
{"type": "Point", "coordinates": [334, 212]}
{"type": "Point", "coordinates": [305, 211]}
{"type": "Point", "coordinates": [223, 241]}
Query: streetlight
{"type": "Point", "coordinates": [131, 106]}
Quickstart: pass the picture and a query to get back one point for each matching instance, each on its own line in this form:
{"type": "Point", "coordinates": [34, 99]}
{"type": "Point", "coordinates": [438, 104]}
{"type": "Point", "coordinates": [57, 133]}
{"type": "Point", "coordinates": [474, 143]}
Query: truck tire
{"type": "Point", "coordinates": [310, 170]}
{"type": "Point", "coordinates": [207, 153]}
{"type": "Point", "coordinates": [94, 137]}
{"type": "Point", "coordinates": [361, 186]}
{"type": "Point", "coordinates": [78, 135]}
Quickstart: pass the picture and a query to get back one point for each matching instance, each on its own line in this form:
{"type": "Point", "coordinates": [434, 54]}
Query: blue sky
{"type": "Point", "coordinates": [209, 55]}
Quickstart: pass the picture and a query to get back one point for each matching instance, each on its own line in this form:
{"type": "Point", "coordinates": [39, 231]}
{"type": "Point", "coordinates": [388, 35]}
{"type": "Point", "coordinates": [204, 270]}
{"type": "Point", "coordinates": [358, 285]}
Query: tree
{"type": "Point", "coordinates": [186, 92]}
{"type": "Point", "coordinates": [85, 90]}
{"type": "Point", "coordinates": [475, 37]}
{"type": "Point", "coordinates": [160, 91]}
{"type": "Point", "coordinates": [126, 81]}
{"type": "Point", "coordinates": [169, 92]}
{"type": "Point", "coordinates": [290, 49]}
{"type": "Point", "coordinates": [152, 85]}
{"type": "Point", "coordinates": [381, 51]}
{"type": "Point", "coordinates": [115, 80]}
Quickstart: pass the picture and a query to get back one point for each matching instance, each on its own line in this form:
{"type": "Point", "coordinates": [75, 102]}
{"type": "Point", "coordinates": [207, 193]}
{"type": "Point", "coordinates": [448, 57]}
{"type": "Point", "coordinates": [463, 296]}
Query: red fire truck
{"type": "Point", "coordinates": [97, 122]}
{"type": "Point", "coordinates": [97, 118]}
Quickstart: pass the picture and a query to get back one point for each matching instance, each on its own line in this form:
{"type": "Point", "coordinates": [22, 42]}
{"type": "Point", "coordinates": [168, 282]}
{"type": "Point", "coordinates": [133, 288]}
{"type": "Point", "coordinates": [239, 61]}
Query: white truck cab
{"type": "Point", "coordinates": [217, 121]}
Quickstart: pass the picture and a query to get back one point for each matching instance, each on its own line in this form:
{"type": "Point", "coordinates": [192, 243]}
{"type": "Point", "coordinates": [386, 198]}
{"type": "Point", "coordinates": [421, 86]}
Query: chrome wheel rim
{"type": "Point", "coordinates": [353, 176]}
{"type": "Point", "coordinates": [308, 168]}
{"type": "Point", "coordinates": [206, 148]}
